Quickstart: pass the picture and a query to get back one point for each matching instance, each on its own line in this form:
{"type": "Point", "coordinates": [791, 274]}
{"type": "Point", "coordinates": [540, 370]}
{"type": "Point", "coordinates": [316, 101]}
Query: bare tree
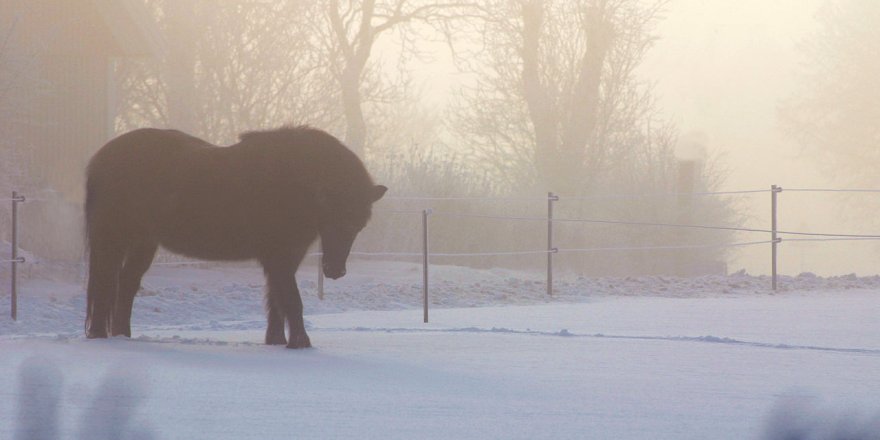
{"type": "Point", "coordinates": [243, 66]}
{"type": "Point", "coordinates": [834, 113]}
{"type": "Point", "coordinates": [557, 89]}
{"type": "Point", "coordinates": [555, 104]}
{"type": "Point", "coordinates": [349, 35]}
{"type": "Point", "coordinates": [247, 64]}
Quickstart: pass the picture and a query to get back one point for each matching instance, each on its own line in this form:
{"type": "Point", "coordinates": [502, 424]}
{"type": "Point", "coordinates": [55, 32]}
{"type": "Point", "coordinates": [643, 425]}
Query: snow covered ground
{"type": "Point", "coordinates": [627, 358]}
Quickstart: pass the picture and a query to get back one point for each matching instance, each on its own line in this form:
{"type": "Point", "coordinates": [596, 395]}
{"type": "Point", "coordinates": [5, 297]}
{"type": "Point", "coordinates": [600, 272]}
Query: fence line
{"type": "Point", "coordinates": [834, 239]}
{"type": "Point", "coordinates": [821, 234]}
{"type": "Point", "coordinates": [490, 254]}
{"type": "Point", "coordinates": [482, 199]}
{"type": "Point", "coordinates": [589, 197]}
{"type": "Point", "coordinates": [513, 253]}
{"type": "Point", "coordinates": [558, 250]}
{"type": "Point", "coordinates": [671, 247]}
{"type": "Point", "coordinates": [491, 217]}
{"type": "Point", "coordinates": [550, 220]}
{"type": "Point", "coordinates": [661, 195]}
{"type": "Point", "coordinates": [833, 190]}
{"type": "Point", "coordinates": [610, 222]}
{"type": "Point", "coordinates": [666, 225]}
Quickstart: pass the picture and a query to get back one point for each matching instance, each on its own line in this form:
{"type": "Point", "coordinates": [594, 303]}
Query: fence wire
{"type": "Point", "coordinates": [588, 197]}
{"type": "Point", "coordinates": [660, 195]}
{"type": "Point", "coordinates": [834, 239]}
{"type": "Point", "coordinates": [486, 199]}
{"type": "Point", "coordinates": [867, 190]}
{"type": "Point", "coordinates": [813, 236]}
{"type": "Point", "coordinates": [557, 197]}
{"type": "Point", "coordinates": [652, 224]}
{"type": "Point", "coordinates": [671, 247]}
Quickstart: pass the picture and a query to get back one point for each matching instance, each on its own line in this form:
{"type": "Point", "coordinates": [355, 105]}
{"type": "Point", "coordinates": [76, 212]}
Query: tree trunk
{"type": "Point", "coordinates": [579, 129]}
{"type": "Point", "coordinates": [540, 110]}
{"type": "Point", "coordinates": [355, 126]}
{"type": "Point", "coordinates": [355, 55]}
{"type": "Point", "coordinates": [563, 135]}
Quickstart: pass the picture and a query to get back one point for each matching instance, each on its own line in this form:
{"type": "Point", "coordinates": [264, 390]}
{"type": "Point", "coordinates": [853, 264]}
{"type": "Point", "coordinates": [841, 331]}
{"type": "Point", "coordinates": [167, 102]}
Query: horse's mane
{"type": "Point", "coordinates": [281, 132]}
{"type": "Point", "coordinates": [322, 147]}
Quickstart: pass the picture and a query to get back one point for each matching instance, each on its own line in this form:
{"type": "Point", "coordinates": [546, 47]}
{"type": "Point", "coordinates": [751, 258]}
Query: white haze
{"type": "Point", "coordinates": [720, 71]}
{"type": "Point", "coordinates": [722, 68]}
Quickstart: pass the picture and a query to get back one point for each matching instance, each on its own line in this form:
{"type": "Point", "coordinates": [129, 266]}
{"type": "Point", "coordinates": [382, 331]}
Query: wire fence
{"type": "Point", "coordinates": [777, 236]}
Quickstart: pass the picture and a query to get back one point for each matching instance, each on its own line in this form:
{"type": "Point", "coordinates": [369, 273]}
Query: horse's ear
{"type": "Point", "coordinates": [378, 192]}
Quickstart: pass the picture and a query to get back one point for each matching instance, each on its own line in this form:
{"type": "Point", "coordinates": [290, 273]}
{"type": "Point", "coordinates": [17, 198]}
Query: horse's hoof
{"type": "Point", "coordinates": [276, 340]}
{"type": "Point", "coordinates": [299, 341]}
{"type": "Point", "coordinates": [96, 334]}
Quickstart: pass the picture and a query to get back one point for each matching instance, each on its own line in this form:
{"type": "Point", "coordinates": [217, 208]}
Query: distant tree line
{"type": "Point", "coordinates": [547, 99]}
{"type": "Point", "coordinates": [834, 109]}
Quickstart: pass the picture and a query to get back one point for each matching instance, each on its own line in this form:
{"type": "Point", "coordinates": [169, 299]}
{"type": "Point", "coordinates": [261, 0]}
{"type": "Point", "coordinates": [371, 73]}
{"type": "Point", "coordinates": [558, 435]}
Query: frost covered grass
{"type": "Point", "coordinates": [623, 358]}
{"type": "Point", "coordinates": [200, 295]}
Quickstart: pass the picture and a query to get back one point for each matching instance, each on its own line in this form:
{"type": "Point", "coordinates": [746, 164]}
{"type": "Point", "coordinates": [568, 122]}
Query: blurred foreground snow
{"type": "Point", "coordinates": [634, 358]}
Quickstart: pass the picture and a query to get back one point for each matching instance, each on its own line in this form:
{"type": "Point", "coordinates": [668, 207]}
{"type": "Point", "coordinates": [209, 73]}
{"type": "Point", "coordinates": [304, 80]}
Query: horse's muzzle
{"type": "Point", "coordinates": [333, 273]}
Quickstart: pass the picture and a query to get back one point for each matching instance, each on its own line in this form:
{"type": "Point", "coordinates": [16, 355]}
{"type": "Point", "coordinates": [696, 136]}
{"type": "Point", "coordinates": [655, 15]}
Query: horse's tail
{"type": "Point", "coordinates": [88, 215]}
{"type": "Point", "coordinates": [88, 207]}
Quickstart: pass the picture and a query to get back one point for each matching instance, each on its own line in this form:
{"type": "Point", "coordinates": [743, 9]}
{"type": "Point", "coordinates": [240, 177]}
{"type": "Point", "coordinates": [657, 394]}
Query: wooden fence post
{"type": "Point", "coordinates": [550, 249]}
{"type": "Point", "coordinates": [425, 214]}
{"type": "Point", "coordinates": [774, 191]}
{"type": "Point", "coordinates": [14, 260]}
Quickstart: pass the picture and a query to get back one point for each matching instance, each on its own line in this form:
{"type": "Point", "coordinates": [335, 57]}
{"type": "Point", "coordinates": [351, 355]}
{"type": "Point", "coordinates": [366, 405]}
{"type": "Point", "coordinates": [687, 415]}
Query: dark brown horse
{"type": "Point", "coordinates": [267, 198]}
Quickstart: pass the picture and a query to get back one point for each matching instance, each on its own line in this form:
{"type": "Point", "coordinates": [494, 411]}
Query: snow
{"type": "Point", "coordinates": [625, 358]}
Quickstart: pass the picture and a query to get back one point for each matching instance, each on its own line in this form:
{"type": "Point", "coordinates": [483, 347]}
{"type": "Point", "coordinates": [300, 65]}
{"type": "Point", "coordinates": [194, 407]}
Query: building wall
{"type": "Point", "coordinates": [69, 118]}
{"type": "Point", "coordinates": [59, 108]}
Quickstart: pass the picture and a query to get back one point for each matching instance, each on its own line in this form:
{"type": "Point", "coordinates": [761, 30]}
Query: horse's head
{"type": "Point", "coordinates": [342, 216]}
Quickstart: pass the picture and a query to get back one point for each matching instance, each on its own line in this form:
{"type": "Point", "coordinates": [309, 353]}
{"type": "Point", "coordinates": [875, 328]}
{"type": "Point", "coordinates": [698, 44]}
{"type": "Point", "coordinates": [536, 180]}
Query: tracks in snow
{"type": "Point", "coordinates": [566, 334]}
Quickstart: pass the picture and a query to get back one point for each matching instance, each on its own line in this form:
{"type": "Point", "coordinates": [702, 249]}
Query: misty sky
{"type": "Point", "coordinates": [721, 68]}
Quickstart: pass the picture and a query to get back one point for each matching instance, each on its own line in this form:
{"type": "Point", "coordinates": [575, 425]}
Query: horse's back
{"type": "Point", "coordinates": [194, 198]}
{"type": "Point", "coordinates": [128, 174]}
{"type": "Point", "coordinates": [145, 147]}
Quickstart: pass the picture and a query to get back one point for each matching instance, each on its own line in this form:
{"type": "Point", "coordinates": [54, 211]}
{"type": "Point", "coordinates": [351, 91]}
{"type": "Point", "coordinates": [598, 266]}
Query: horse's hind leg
{"type": "Point", "coordinates": [105, 260]}
{"type": "Point", "coordinates": [138, 259]}
{"type": "Point", "coordinates": [277, 284]}
{"type": "Point", "coordinates": [298, 336]}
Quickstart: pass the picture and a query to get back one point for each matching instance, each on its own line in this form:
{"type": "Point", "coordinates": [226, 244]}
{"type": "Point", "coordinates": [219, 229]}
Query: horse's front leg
{"type": "Point", "coordinates": [283, 302]}
{"type": "Point", "coordinates": [296, 325]}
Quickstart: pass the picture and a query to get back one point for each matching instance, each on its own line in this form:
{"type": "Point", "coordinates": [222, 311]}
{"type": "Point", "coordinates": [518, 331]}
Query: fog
{"type": "Point", "coordinates": [721, 69]}
{"type": "Point", "coordinates": [725, 69]}
{"type": "Point", "coordinates": [689, 96]}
